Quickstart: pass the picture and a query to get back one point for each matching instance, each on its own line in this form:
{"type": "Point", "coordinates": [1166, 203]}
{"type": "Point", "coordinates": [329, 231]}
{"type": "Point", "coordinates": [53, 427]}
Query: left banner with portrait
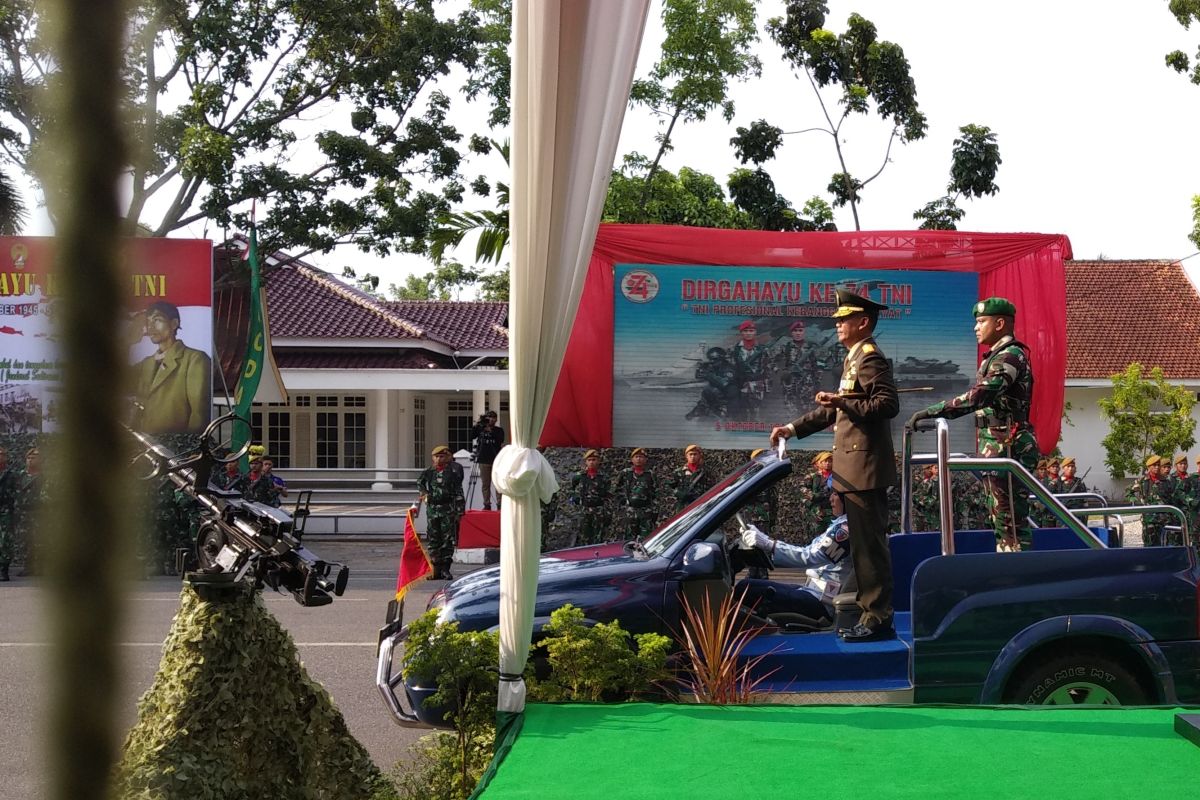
{"type": "Point", "coordinates": [169, 331]}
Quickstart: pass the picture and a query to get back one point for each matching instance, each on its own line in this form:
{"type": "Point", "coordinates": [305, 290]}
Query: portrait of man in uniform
{"type": "Point", "coordinates": [172, 385]}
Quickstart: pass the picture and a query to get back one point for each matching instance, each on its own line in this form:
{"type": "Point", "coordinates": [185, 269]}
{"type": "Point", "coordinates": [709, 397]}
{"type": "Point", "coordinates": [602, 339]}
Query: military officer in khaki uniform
{"type": "Point", "coordinates": [864, 463]}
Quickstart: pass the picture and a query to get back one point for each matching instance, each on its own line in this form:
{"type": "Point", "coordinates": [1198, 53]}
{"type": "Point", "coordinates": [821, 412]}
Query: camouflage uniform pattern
{"type": "Point", "coordinates": [1000, 400]}
{"type": "Point", "coordinates": [751, 365]}
{"type": "Point", "coordinates": [591, 493]}
{"type": "Point", "coordinates": [687, 486]}
{"type": "Point", "coordinates": [719, 397]}
{"type": "Point", "coordinates": [237, 482]}
{"type": "Point", "coordinates": [802, 367]}
{"type": "Point", "coordinates": [926, 512]}
{"type": "Point", "coordinates": [8, 536]}
{"type": "Point", "coordinates": [1146, 491]}
{"type": "Point", "coordinates": [638, 494]}
{"type": "Point", "coordinates": [263, 490]}
{"type": "Point", "coordinates": [821, 514]}
{"type": "Point", "coordinates": [442, 490]}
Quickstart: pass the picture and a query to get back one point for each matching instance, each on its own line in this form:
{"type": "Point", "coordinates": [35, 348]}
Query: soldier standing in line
{"type": "Point", "coordinates": [590, 489]}
{"type": "Point", "coordinates": [1039, 471]}
{"type": "Point", "coordinates": [1042, 514]}
{"type": "Point", "coordinates": [27, 501]}
{"type": "Point", "coordinates": [1053, 481]}
{"type": "Point", "coordinates": [750, 359]}
{"type": "Point", "coordinates": [761, 512]}
{"type": "Point", "coordinates": [441, 492]}
{"type": "Point", "coordinates": [8, 485]}
{"type": "Point", "coordinates": [1149, 490]}
{"type": "Point", "coordinates": [692, 479]}
{"type": "Point", "coordinates": [637, 489]}
{"type": "Point", "coordinates": [820, 486]}
{"type": "Point", "coordinates": [926, 513]}
{"type": "Point", "coordinates": [1000, 400]}
{"type": "Point", "coordinates": [260, 488]}
{"type": "Point", "coordinates": [1185, 493]}
{"type": "Point", "coordinates": [231, 480]}
{"type": "Point", "coordinates": [1068, 482]}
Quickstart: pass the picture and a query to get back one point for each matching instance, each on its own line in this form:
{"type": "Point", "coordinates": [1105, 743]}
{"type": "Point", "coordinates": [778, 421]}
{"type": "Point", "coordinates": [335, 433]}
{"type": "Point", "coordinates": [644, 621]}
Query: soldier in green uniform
{"type": "Point", "coordinates": [1039, 471]}
{"type": "Point", "coordinates": [1069, 483]}
{"type": "Point", "coordinates": [27, 500]}
{"type": "Point", "coordinates": [260, 488]}
{"type": "Point", "coordinates": [820, 487]}
{"type": "Point", "coordinates": [802, 366]}
{"type": "Point", "coordinates": [692, 479]}
{"type": "Point", "coordinates": [1044, 517]}
{"type": "Point", "coordinates": [591, 490]}
{"type": "Point", "coordinates": [1000, 400]}
{"type": "Point", "coordinates": [720, 393]}
{"type": "Point", "coordinates": [637, 490]}
{"type": "Point", "coordinates": [231, 479]}
{"type": "Point", "coordinates": [926, 511]}
{"type": "Point", "coordinates": [750, 360]}
{"type": "Point", "coordinates": [1150, 490]}
{"type": "Point", "coordinates": [441, 492]}
{"type": "Point", "coordinates": [1185, 491]}
{"type": "Point", "coordinates": [8, 485]}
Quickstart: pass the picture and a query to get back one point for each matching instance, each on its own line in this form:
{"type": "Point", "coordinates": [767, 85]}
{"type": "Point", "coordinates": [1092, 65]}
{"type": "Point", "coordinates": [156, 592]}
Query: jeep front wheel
{"type": "Point", "coordinates": [1088, 678]}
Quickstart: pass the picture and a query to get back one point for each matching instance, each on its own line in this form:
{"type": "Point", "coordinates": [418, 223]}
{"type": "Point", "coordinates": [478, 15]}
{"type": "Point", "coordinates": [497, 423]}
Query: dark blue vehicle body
{"type": "Point", "coordinates": [973, 627]}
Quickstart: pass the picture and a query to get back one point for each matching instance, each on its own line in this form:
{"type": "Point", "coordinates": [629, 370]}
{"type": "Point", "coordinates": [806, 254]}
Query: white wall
{"type": "Point", "coordinates": [1082, 439]}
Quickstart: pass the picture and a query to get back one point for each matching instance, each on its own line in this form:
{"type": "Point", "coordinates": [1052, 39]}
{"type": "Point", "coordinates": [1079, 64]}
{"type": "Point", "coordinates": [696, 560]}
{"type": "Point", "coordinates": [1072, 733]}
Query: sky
{"type": "Point", "coordinates": [1098, 137]}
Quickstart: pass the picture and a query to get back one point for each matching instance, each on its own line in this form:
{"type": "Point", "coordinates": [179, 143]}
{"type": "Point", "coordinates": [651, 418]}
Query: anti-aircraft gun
{"type": "Point", "coordinates": [238, 539]}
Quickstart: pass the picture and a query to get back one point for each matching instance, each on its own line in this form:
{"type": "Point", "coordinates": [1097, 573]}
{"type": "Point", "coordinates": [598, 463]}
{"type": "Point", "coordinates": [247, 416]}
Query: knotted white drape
{"type": "Point", "coordinates": [573, 63]}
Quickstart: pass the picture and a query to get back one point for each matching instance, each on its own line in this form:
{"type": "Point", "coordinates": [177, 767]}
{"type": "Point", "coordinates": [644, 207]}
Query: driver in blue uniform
{"type": "Point", "coordinates": [826, 559]}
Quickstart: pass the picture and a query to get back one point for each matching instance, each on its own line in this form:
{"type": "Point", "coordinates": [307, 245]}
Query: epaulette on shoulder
{"type": "Point", "coordinates": [869, 348]}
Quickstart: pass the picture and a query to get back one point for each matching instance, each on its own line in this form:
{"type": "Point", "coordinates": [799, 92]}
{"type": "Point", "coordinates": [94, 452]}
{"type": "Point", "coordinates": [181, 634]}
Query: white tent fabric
{"type": "Point", "coordinates": [573, 63]}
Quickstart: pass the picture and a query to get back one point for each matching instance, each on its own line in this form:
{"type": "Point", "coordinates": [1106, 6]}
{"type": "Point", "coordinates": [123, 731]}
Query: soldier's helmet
{"type": "Point", "coordinates": [715, 353]}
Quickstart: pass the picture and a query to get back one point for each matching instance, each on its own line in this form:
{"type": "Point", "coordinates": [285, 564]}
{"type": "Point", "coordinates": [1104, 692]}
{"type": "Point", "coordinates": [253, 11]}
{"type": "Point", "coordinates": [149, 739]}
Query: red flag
{"type": "Point", "coordinates": [414, 563]}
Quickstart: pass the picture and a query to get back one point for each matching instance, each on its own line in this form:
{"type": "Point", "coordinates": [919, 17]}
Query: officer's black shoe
{"type": "Point", "coordinates": [867, 633]}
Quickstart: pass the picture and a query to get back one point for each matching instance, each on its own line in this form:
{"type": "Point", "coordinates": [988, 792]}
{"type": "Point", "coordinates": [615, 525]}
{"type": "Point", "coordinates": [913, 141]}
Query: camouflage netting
{"type": "Point", "coordinates": [233, 714]}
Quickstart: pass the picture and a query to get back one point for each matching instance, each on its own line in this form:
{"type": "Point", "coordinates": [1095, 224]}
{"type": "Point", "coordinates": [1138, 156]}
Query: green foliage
{"type": "Point", "coordinates": [1146, 415]}
{"type": "Point", "coordinates": [872, 74]}
{"type": "Point", "coordinates": [758, 143]}
{"type": "Point", "coordinates": [215, 95]}
{"type": "Point", "coordinates": [12, 211]}
{"type": "Point", "coordinates": [493, 73]}
{"type": "Point", "coordinates": [1195, 234]}
{"type": "Point", "coordinates": [432, 770]}
{"type": "Point", "coordinates": [463, 664]}
{"type": "Point", "coordinates": [689, 198]}
{"type": "Point", "coordinates": [942, 214]}
{"type": "Point", "coordinates": [975, 160]}
{"type": "Point", "coordinates": [596, 663]}
{"type": "Point", "coordinates": [1187, 12]}
{"type": "Point", "coordinates": [713, 639]}
{"type": "Point", "coordinates": [708, 43]}
{"type": "Point", "coordinates": [232, 714]}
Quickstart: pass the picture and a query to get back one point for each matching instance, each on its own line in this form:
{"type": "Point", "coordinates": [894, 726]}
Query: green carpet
{"type": "Point", "coordinates": [666, 751]}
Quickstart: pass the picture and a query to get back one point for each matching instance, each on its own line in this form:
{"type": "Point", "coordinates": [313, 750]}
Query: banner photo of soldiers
{"type": "Point", "coordinates": [169, 330]}
{"type": "Point", "coordinates": [720, 355]}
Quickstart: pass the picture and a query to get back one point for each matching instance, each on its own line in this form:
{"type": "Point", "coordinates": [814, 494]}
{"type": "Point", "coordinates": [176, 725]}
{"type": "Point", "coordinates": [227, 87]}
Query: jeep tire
{"type": "Point", "coordinates": [1081, 678]}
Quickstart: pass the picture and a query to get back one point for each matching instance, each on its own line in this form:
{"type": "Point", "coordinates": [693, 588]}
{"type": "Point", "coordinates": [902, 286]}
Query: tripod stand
{"type": "Point", "coordinates": [472, 479]}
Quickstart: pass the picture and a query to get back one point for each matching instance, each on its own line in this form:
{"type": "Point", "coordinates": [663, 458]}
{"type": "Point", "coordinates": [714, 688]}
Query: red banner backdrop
{"type": "Point", "coordinates": [1027, 268]}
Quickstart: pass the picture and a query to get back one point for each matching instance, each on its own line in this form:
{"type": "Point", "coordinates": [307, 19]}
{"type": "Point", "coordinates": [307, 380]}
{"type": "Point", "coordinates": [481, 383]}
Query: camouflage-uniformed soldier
{"type": "Point", "coordinates": [692, 479]}
{"type": "Point", "coordinates": [1039, 471]}
{"type": "Point", "coordinates": [1000, 400]}
{"type": "Point", "coordinates": [751, 360]}
{"type": "Point", "coordinates": [441, 492]}
{"type": "Point", "coordinates": [1184, 489]}
{"type": "Point", "coordinates": [260, 488]}
{"type": "Point", "coordinates": [761, 512]}
{"type": "Point", "coordinates": [637, 491]}
{"type": "Point", "coordinates": [926, 512]}
{"type": "Point", "coordinates": [230, 479]}
{"type": "Point", "coordinates": [27, 500]}
{"type": "Point", "coordinates": [720, 394]}
{"type": "Point", "coordinates": [8, 486]}
{"type": "Point", "coordinates": [1053, 480]}
{"type": "Point", "coordinates": [820, 486]}
{"type": "Point", "coordinates": [1151, 490]}
{"type": "Point", "coordinates": [591, 490]}
{"type": "Point", "coordinates": [1068, 482]}
{"type": "Point", "coordinates": [1042, 515]}
{"type": "Point", "coordinates": [801, 363]}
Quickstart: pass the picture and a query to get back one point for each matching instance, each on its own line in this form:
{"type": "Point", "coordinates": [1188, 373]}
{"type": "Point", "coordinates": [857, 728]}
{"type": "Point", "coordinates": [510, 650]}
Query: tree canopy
{"type": "Point", "coordinates": [1146, 416]}
{"type": "Point", "coordinates": [328, 111]}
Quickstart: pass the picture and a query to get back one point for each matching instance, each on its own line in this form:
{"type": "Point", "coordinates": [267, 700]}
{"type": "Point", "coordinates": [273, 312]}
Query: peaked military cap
{"type": "Point", "coordinates": [690, 448]}
{"type": "Point", "coordinates": [591, 454]}
{"type": "Point", "coordinates": [747, 324]}
{"type": "Point", "coordinates": [1153, 461]}
{"type": "Point", "coordinates": [994, 307]}
{"type": "Point", "coordinates": [1067, 462]}
{"type": "Point", "coordinates": [849, 303]}
{"type": "Point", "coordinates": [637, 451]}
{"type": "Point", "coordinates": [441, 448]}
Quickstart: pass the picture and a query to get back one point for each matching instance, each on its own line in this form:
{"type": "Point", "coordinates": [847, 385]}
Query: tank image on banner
{"type": "Point", "coordinates": [720, 355]}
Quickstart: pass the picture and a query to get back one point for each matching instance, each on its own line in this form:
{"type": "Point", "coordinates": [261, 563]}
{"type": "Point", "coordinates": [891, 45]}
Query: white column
{"type": "Point", "coordinates": [403, 429]}
{"type": "Point", "coordinates": [494, 404]}
{"type": "Point", "coordinates": [380, 414]}
{"type": "Point", "coordinates": [477, 403]}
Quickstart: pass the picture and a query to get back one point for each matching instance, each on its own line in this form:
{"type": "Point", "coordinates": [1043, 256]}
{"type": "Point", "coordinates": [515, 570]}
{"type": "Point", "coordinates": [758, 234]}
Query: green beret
{"type": "Point", "coordinates": [994, 307]}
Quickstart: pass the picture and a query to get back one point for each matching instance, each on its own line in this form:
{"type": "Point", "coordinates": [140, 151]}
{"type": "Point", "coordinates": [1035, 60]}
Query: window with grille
{"type": "Point", "coordinates": [328, 428]}
{"type": "Point", "coordinates": [458, 425]}
{"type": "Point", "coordinates": [418, 405]}
{"type": "Point", "coordinates": [354, 439]}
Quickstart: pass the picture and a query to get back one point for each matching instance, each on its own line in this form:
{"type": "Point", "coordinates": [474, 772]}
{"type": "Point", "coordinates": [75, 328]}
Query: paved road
{"type": "Point", "coordinates": [336, 644]}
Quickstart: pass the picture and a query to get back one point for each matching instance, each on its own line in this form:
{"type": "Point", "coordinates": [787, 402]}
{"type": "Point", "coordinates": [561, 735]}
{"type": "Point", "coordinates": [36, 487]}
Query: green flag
{"type": "Point", "coordinates": [247, 386]}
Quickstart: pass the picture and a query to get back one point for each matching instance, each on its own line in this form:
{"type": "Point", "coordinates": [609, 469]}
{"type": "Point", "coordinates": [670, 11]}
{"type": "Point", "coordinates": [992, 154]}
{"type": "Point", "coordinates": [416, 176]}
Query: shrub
{"type": "Point", "coordinates": [714, 640]}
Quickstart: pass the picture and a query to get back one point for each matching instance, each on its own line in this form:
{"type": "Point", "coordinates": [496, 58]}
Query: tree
{"type": "Point", "coordinates": [1146, 415]}
{"type": "Point", "coordinates": [12, 209]}
{"type": "Point", "coordinates": [688, 198]}
{"type": "Point", "coordinates": [1195, 234]}
{"type": "Point", "coordinates": [753, 191]}
{"type": "Point", "coordinates": [871, 74]}
{"type": "Point", "coordinates": [1187, 12]}
{"type": "Point", "coordinates": [707, 44]}
{"type": "Point", "coordinates": [325, 110]}
{"type": "Point", "coordinates": [974, 163]}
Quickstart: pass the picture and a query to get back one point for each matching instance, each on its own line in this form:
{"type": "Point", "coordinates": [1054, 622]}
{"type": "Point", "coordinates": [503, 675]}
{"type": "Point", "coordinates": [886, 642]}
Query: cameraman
{"type": "Point", "coordinates": [489, 438]}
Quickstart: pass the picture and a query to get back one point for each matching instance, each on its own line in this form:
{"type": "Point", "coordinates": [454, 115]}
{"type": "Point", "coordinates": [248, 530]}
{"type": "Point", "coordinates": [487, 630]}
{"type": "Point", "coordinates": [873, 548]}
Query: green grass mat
{"type": "Point", "coordinates": [619, 752]}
